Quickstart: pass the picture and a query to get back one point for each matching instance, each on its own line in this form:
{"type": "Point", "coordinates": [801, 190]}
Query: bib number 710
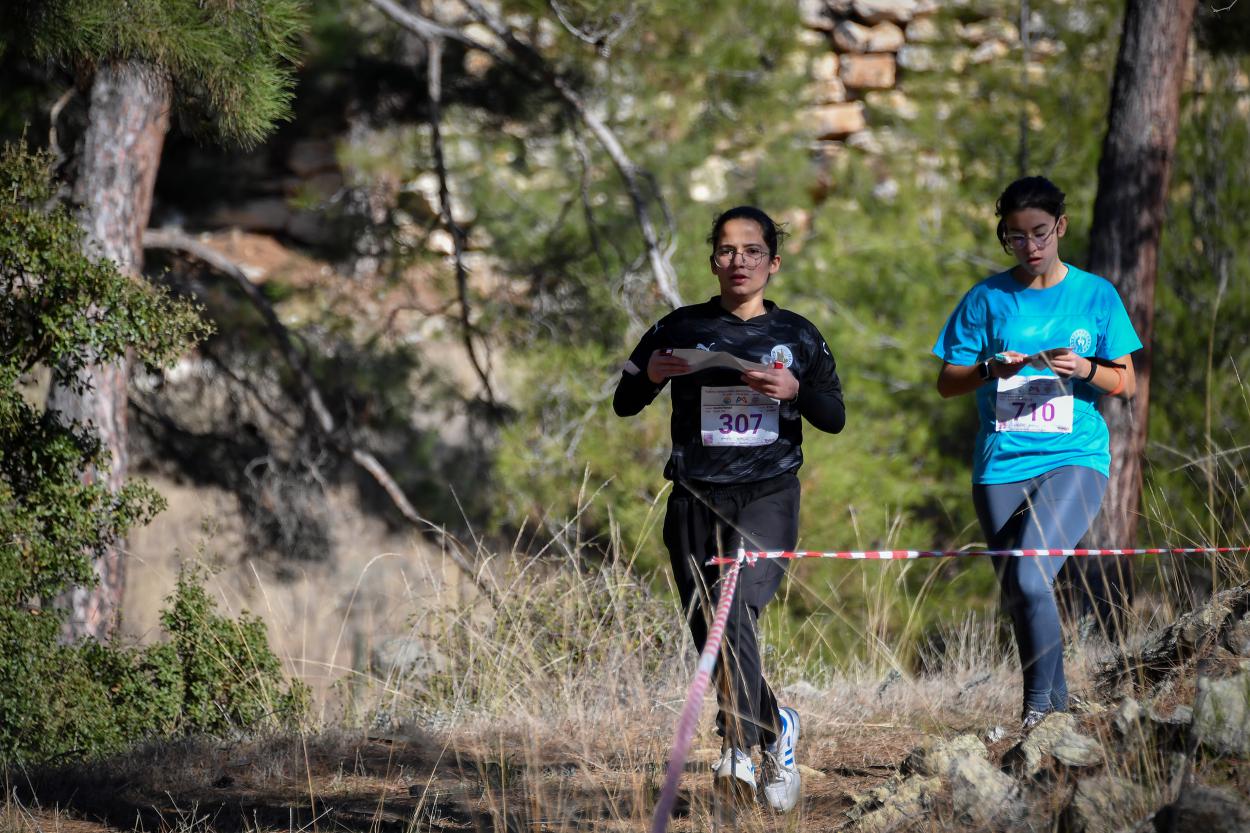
{"type": "Point", "coordinates": [1033, 404]}
{"type": "Point", "coordinates": [1035, 413]}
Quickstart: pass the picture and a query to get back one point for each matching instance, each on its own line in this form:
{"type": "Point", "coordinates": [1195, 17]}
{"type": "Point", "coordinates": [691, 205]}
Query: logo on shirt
{"type": "Point", "coordinates": [700, 346]}
{"type": "Point", "coordinates": [1080, 341]}
{"type": "Point", "coordinates": [780, 353]}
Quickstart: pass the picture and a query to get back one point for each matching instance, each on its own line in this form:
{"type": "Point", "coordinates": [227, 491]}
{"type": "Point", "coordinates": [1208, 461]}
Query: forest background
{"type": "Point", "coordinates": [475, 357]}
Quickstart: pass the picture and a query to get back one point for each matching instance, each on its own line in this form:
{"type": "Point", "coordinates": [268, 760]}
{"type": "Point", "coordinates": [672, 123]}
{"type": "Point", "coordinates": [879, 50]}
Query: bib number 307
{"type": "Point", "coordinates": [1034, 404]}
{"type": "Point", "coordinates": [738, 416]}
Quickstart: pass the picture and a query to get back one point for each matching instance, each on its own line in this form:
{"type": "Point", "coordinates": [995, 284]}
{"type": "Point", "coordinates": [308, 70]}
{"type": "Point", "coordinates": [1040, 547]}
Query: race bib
{"type": "Point", "coordinates": [1037, 404]}
{"type": "Point", "coordinates": [738, 416]}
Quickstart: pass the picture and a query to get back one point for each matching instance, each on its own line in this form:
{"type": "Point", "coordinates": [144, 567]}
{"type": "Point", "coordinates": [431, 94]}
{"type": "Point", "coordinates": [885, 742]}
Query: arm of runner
{"type": "Point", "coordinates": [1116, 381]}
{"type": "Point", "coordinates": [1063, 363]}
{"type": "Point", "coordinates": [663, 365]}
{"type": "Point", "coordinates": [956, 379]}
{"type": "Point", "coordinates": [636, 390]}
{"type": "Point", "coordinates": [1106, 375]}
{"type": "Point", "coordinates": [820, 390]}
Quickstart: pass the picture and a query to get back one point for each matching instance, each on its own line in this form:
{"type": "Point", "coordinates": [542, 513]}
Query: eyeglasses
{"type": "Point", "coordinates": [1019, 240]}
{"type": "Point", "coordinates": [751, 256]}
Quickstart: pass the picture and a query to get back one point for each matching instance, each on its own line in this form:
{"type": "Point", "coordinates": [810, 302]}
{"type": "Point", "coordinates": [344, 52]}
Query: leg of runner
{"type": "Point", "coordinates": [768, 520]}
{"type": "Point", "coordinates": [1050, 511]}
{"type": "Point", "coordinates": [694, 531]}
{"type": "Point", "coordinates": [1064, 504]}
{"type": "Point", "coordinates": [720, 520]}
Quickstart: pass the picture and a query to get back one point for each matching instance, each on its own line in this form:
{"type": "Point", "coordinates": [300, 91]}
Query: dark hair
{"type": "Point", "coordinates": [774, 233]}
{"type": "Point", "coordinates": [1029, 192]}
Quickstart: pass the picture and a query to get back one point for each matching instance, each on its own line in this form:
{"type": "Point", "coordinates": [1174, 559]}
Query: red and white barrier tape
{"type": "Point", "coordinates": [729, 584]}
{"type": "Point", "coordinates": [750, 557]}
{"type": "Point", "coordinates": [694, 701]}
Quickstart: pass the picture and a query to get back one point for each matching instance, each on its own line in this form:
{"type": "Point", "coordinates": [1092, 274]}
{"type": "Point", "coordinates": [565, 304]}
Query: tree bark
{"type": "Point", "coordinates": [128, 120]}
{"type": "Point", "coordinates": [1128, 218]}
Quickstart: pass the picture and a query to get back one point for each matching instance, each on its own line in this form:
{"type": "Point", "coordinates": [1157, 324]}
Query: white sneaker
{"type": "Point", "coordinates": [782, 782]}
{"type": "Point", "coordinates": [734, 771]}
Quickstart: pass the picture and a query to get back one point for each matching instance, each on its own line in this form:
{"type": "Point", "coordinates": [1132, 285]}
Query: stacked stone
{"type": "Point", "coordinates": [871, 41]}
{"type": "Point", "coordinates": [1174, 711]}
{"type": "Point", "coordinates": [866, 37]}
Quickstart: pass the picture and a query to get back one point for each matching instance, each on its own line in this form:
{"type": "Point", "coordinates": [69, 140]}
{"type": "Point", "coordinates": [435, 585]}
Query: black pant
{"type": "Point", "coordinates": [705, 520]}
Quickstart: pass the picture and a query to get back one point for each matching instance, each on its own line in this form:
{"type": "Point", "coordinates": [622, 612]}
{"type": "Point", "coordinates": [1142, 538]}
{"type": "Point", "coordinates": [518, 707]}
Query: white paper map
{"type": "Point", "coordinates": [704, 359]}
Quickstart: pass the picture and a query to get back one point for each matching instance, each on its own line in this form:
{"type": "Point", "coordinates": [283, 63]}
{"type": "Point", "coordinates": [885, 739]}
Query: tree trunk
{"type": "Point", "coordinates": [128, 119]}
{"type": "Point", "coordinates": [1124, 247]}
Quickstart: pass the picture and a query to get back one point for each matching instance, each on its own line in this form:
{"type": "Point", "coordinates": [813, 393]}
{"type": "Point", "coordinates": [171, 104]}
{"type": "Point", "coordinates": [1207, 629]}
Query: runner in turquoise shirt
{"type": "Point", "coordinates": [1081, 313]}
{"type": "Point", "coordinates": [1038, 344]}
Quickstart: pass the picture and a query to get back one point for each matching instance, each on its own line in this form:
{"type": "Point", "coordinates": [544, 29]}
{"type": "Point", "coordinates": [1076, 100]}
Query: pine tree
{"type": "Point", "coordinates": [224, 66]}
{"type": "Point", "coordinates": [1142, 127]}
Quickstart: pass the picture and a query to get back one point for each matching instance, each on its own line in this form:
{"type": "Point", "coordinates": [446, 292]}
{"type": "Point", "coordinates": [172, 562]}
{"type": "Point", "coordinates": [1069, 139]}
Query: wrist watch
{"type": "Point", "coordinates": [983, 370]}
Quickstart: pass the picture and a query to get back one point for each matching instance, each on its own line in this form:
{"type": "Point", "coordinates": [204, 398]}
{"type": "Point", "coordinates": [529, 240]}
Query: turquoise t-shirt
{"type": "Point", "coordinates": [1082, 312]}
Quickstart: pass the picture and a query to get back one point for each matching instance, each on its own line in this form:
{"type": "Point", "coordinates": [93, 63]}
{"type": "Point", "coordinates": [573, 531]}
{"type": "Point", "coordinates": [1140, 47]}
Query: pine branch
{"type": "Point", "coordinates": [434, 75]}
{"type": "Point", "coordinates": [230, 64]}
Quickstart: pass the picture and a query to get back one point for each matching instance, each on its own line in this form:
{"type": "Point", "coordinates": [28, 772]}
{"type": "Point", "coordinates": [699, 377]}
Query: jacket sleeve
{"type": "Point", "coordinates": [820, 390]}
{"type": "Point", "coordinates": [635, 391]}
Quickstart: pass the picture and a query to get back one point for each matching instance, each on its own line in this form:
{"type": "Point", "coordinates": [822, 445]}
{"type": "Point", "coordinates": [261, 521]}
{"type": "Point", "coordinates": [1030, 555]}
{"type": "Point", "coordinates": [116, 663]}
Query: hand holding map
{"type": "Point", "coordinates": [705, 359]}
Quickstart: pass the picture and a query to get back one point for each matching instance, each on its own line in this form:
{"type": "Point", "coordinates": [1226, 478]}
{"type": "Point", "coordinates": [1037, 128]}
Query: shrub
{"type": "Point", "coordinates": [63, 311]}
{"type": "Point", "coordinates": [229, 675]}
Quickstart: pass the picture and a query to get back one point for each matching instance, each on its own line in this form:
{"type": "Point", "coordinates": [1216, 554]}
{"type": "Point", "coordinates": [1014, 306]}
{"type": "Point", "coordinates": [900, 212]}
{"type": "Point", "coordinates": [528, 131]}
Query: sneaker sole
{"type": "Point", "coordinates": [793, 717]}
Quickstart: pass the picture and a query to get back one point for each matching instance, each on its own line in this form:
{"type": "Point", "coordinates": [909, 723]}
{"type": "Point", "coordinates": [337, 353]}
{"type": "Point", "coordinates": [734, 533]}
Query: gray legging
{"type": "Point", "coordinates": [1050, 511]}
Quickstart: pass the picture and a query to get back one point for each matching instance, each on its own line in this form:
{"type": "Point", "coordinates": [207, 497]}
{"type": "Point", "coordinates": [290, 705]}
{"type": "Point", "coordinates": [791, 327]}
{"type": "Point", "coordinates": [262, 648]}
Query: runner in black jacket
{"type": "Point", "coordinates": [737, 437]}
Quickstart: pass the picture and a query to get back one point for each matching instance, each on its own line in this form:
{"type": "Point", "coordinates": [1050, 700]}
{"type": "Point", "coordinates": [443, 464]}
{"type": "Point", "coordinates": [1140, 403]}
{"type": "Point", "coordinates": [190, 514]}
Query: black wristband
{"type": "Point", "coordinates": [983, 370]}
{"type": "Point", "coordinates": [1093, 368]}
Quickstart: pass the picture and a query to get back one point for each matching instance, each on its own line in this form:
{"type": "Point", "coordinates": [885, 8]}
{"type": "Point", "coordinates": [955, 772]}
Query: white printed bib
{"type": "Point", "coordinates": [1036, 404]}
{"type": "Point", "coordinates": [738, 416]}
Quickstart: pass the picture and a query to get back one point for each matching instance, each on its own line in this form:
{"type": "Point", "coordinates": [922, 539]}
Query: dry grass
{"type": "Point", "coordinates": [553, 712]}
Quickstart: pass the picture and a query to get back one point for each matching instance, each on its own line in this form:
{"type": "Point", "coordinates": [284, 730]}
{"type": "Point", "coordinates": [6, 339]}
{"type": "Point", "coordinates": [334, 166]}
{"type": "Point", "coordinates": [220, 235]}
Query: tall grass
{"type": "Point", "coordinates": [556, 705]}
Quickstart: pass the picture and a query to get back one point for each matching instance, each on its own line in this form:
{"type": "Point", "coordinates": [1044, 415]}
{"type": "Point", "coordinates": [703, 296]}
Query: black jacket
{"type": "Point", "coordinates": [776, 335]}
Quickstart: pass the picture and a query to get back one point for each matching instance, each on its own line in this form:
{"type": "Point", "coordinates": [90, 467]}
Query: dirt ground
{"type": "Point", "coordinates": [410, 782]}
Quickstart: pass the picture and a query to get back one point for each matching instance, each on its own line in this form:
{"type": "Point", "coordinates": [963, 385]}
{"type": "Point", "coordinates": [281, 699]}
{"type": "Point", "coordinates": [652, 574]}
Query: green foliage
{"type": "Point", "coordinates": [230, 677]}
{"type": "Point", "coordinates": [214, 674]}
{"type": "Point", "coordinates": [230, 60]}
{"type": "Point", "coordinates": [63, 310]}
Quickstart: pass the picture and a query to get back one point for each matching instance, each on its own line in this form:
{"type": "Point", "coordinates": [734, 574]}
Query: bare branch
{"type": "Point", "coordinates": [601, 39]}
{"type": "Point", "coordinates": [661, 267]}
{"type": "Point", "coordinates": [181, 242]}
{"type": "Point", "coordinates": [423, 26]}
{"type": "Point", "coordinates": [54, 115]}
{"type": "Point", "coordinates": [592, 225]}
{"type": "Point", "coordinates": [525, 59]}
{"type": "Point", "coordinates": [434, 74]}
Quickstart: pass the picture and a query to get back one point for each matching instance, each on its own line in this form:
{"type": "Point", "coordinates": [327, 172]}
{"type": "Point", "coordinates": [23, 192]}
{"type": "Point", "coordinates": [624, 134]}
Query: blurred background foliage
{"type": "Point", "coordinates": [886, 235]}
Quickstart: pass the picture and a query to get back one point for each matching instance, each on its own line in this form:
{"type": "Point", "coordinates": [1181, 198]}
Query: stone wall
{"type": "Point", "coordinates": [862, 57]}
{"type": "Point", "coordinates": [874, 45]}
